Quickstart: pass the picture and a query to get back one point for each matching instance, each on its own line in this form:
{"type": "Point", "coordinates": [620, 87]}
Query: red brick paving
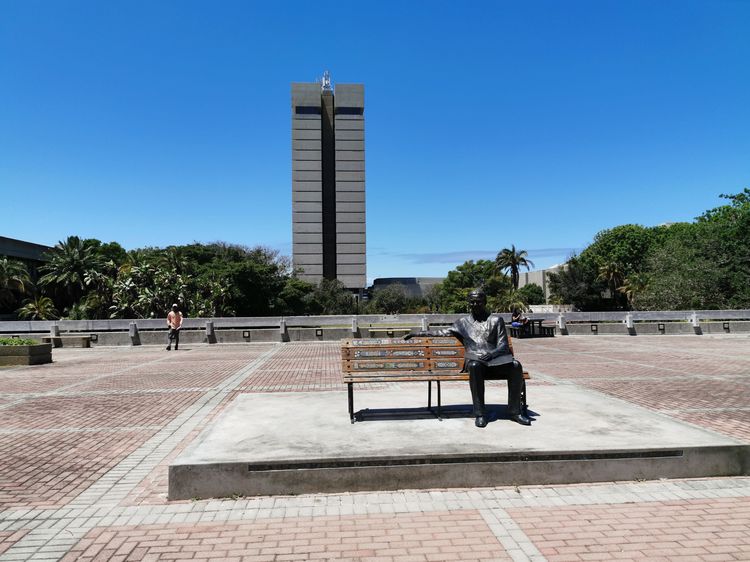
{"type": "Point", "coordinates": [153, 489]}
{"type": "Point", "coordinates": [113, 410]}
{"type": "Point", "coordinates": [677, 394]}
{"type": "Point", "coordinates": [706, 384]}
{"type": "Point", "coordinates": [698, 530]}
{"type": "Point", "coordinates": [299, 367]}
{"type": "Point", "coordinates": [450, 535]}
{"type": "Point", "coordinates": [168, 376]}
{"type": "Point", "coordinates": [9, 538]}
{"type": "Point", "coordinates": [673, 374]}
{"type": "Point", "coordinates": [18, 384]}
{"type": "Point", "coordinates": [49, 469]}
{"type": "Point", "coordinates": [733, 423]}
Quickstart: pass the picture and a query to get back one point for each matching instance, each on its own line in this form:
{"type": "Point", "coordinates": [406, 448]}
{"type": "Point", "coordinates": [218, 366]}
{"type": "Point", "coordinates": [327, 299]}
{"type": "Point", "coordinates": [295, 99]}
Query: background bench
{"type": "Point", "coordinates": [420, 359]}
{"type": "Point", "coordinates": [67, 341]}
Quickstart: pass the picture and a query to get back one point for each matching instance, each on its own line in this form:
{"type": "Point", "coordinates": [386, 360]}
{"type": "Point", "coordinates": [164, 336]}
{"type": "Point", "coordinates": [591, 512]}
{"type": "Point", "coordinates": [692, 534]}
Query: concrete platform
{"type": "Point", "coordinates": [303, 442]}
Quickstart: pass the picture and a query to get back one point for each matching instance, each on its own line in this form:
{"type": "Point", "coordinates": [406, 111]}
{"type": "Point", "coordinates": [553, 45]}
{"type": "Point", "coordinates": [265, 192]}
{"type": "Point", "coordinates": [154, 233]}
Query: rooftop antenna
{"type": "Point", "coordinates": [325, 82]}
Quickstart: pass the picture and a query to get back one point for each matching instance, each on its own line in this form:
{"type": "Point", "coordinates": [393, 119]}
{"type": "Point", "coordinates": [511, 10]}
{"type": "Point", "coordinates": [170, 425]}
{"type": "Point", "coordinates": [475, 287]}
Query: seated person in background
{"type": "Point", "coordinates": [517, 319]}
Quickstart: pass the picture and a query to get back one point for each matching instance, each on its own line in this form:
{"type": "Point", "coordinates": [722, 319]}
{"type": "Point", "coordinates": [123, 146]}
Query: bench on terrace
{"type": "Point", "coordinates": [420, 359]}
{"type": "Point", "coordinates": [67, 341]}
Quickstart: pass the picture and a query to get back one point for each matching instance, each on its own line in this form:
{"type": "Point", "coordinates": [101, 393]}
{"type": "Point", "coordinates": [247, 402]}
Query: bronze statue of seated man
{"type": "Point", "coordinates": [487, 356]}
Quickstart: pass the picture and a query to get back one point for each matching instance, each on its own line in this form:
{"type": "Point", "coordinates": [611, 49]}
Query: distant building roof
{"type": "Point", "coordinates": [21, 249]}
{"type": "Point", "coordinates": [408, 280]}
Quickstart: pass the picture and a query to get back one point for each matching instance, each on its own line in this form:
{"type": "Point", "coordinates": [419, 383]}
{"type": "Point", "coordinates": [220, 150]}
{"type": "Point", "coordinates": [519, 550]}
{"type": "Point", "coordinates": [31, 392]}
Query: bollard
{"type": "Point", "coordinates": [210, 334]}
{"type": "Point", "coordinates": [282, 330]}
{"type": "Point", "coordinates": [54, 333]}
{"type": "Point", "coordinates": [355, 325]}
{"type": "Point", "coordinates": [425, 324]}
{"type": "Point", "coordinates": [629, 321]}
{"type": "Point", "coordinates": [561, 321]}
{"type": "Point", "coordinates": [696, 324]}
{"type": "Point", "coordinates": [135, 338]}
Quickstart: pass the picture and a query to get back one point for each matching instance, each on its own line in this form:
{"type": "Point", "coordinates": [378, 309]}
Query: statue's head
{"type": "Point", "coordinates": [477, 300]}
{"type": "Point", "coordinates": [175, 307]}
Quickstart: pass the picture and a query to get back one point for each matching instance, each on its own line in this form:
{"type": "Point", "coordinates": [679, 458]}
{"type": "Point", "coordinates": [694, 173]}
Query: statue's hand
{"type": "Point", "coordinates": [486, 357]}
{"type": "Point", "coordinates": [408, 336]}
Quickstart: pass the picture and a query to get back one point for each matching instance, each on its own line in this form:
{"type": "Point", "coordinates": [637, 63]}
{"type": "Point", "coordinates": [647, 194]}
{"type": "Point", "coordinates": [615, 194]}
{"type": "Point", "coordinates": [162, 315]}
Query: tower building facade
{"type": "Point", "coordinates": [328, 182]}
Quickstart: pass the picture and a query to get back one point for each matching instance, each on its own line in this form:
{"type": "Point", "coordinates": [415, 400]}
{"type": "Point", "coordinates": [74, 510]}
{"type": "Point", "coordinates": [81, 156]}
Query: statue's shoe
{"type": "Point", "coordinates": [481, 421]}
{"type": "Point", "coordinates": [520, 418]}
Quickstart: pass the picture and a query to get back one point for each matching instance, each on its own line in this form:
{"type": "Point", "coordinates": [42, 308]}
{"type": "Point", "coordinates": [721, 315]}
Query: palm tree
{"type": "Point", "coordinates": [38, 308]}
{"type": "Point", "coordinates": [634, 286]}
{"type": "Point", "coordinates": [70, 261]}
{"type": "Point", "coordinates": [511, 300]}
{"type": "Point", "coordinates": [14, 279]}
{"type": "Point", "coordinates": [512, 260]}
{"type": "Point", "coordinates": [612, 274]}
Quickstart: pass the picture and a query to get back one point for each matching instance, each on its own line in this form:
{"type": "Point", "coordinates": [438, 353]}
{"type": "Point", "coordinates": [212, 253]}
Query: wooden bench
{"type": "Point", "coordinates": [420, 359]}
{"type": "Point", "coordinates": [67, 341]}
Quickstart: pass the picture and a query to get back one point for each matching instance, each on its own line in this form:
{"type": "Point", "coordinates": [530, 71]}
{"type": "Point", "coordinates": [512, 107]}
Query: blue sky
{"type": "Point", "coordinates": [487, 123]}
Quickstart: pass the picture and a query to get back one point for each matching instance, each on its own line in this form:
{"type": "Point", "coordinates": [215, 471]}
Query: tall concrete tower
{"type": "Point", "coordinates": [328, 182]}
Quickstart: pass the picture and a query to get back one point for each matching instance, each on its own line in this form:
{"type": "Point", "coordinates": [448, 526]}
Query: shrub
{"type": "Point", "coordinates": [17, 341]}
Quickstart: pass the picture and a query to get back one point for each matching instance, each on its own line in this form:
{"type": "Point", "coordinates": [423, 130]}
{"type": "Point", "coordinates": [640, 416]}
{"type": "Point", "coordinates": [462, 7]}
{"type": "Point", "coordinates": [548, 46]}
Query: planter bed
{"type": "Point", "coordinates": [26, 354]}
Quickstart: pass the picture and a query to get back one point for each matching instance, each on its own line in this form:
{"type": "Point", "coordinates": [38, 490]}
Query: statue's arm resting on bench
{"type": "Point", "coordinates": [445, 333]}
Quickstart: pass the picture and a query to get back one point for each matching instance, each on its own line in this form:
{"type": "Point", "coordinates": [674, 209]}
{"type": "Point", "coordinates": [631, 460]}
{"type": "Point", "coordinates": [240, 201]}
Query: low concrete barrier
{"type": "Point", "coordinates": [329, 328]}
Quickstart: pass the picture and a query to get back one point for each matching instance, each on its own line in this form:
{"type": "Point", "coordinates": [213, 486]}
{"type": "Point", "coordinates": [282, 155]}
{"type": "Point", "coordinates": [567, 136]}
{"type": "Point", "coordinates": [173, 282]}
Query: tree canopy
{"type": "Point", "coordinates": [704, 264]}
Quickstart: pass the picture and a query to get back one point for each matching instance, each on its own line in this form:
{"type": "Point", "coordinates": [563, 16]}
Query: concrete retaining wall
{"type": "Point", "coordinates": [329, 328]}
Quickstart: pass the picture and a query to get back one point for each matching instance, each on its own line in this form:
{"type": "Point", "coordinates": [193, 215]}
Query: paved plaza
{"type": "Point", "coordinates": [85, 444]}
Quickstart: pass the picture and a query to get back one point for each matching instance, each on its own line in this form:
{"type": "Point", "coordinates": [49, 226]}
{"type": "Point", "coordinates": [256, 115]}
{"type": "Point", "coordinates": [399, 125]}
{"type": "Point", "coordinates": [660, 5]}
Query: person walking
{"type": "Point", "coordinates": [174, 323]}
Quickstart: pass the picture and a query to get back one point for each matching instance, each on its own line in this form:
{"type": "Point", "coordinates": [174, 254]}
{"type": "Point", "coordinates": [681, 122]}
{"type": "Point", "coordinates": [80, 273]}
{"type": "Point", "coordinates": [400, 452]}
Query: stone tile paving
{"type": "Point", "coordinates": [84, 456]}
{"type": "Point", "coordinates": [448, 535]}
{"type": "Point", "coordinates": [699, 530]}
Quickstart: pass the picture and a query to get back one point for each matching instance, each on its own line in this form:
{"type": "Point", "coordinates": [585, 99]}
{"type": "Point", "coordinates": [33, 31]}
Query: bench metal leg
{"type": "Point", "coordinates": [440, 417]}
{"type": "Point", "coordinates": [524, 407]}
{"type": "Point", "coordinates": [429, 395]}
{"type": "Point", "coordinates": [350, 392]}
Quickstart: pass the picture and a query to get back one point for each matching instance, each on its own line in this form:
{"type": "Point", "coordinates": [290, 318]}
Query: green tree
{"type": "Point", "coordinates": [680, 276]}
{"type": "Point", "coordinates": [633, 287]}
{"type": "Point", "coordinates": [69, 262]}
{"type": "Point", "coordinates": [38, 308]}
{"type": "Point", "coordinates": [510, 301]}
{"type": "Point", "coordinates": [725, 242]}
{"type": "Point", "coordinates": [293, 298]}
{"type": "Point", "coordinates": [14, 282]}
{"type": "Point", "coordinates": [612, 274]}
{"type": "Point", "coordinates": [532, 293]}
{"type": "Point", "coordinates": [582, 283]}
{"type": "Point", "coordinates": [455, 288]}
{"type": "Point", "coordinates": [391, 299]}
{"type": "Point", "coordinates": [330, 297]}
{"type": "Point", "coordinates": [626, 245]}
{"type": "Point", "coordinates": [508, 259]}
{"type": "Point", "coordinates": [576, 283]}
